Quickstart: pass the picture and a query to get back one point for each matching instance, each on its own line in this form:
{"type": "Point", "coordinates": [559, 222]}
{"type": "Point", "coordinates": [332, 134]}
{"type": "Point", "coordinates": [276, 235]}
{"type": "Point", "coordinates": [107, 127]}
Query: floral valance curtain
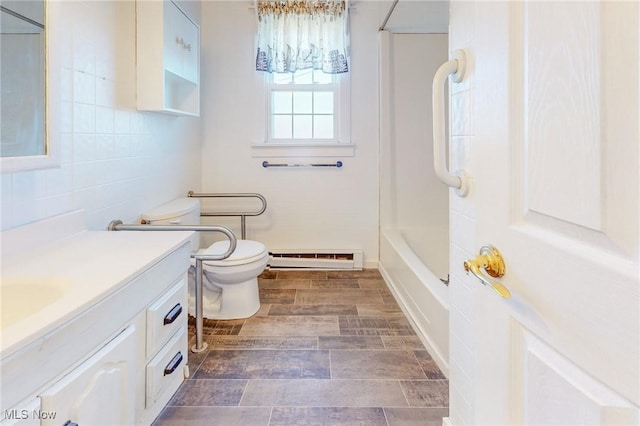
{"type": "Point", "coordinates": [301, 34]}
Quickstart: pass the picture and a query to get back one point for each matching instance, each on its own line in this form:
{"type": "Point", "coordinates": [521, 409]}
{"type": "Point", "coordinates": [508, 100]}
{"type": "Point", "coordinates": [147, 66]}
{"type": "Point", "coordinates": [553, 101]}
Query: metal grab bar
{"type": "Point", "coordinates": [456, 68]}
{"type": "Point", "coordinates": [241, 215]}
{"type": "Point", "coordinates": [337, 164]}
{"type": "Point", "coordinates": [117, 225]}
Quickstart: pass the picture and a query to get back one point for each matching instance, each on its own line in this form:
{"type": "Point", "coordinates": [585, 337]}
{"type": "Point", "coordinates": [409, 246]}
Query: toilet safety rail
{"type": "Point", "coordinates": [117, 225]}
{"type": "Point", "coordinates": [241, 215]}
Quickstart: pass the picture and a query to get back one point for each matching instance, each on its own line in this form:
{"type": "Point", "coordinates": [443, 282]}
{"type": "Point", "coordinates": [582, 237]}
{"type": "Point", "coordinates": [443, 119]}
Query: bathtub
{"type": "Point", "coordinates": [423, 297]}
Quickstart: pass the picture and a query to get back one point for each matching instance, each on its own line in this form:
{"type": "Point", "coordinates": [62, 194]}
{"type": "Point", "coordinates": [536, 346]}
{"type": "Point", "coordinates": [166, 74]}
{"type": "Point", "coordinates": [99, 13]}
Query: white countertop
{"type": "Point", "coordinates": [84, 266]}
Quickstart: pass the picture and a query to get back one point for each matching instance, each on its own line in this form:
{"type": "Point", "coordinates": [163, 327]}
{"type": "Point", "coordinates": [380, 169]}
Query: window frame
{"type": "Point", "coordinates": [341, 117]}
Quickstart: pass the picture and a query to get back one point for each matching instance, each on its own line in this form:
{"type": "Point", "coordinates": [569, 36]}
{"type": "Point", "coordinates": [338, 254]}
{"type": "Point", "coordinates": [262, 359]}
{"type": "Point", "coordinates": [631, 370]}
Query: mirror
{"type": "Point", "coordinates": [23, 102]}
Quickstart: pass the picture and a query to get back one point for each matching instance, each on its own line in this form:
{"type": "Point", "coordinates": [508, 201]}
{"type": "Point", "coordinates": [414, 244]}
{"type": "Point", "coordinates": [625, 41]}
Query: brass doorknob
{"type": "Point", "coordinates": [492, 262]}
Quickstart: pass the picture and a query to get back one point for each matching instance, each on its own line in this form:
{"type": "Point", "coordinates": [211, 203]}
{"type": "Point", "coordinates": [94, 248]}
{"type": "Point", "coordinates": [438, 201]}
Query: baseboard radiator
{"type": "Point", "coordinates": [351, 260]}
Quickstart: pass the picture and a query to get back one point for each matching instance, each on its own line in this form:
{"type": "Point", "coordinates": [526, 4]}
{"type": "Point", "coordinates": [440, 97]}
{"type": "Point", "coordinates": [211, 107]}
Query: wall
{"type": "Point", "coordinates": [307, 208]}
{"type": "Point", "coordinates": [115, 161]}
{"type": "Point", "coordinates": [462, 217]}
{"type": "Point", "coordinates": [418, 16]}
{"type": "Point", "coordinates": [413, 201]}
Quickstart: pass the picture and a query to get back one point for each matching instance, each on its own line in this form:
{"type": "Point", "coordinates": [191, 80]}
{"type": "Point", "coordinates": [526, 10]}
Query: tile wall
{"type": "Point", "coordinates": [115, 160]}
{"type": "Point", "coordinates": [462, 219]}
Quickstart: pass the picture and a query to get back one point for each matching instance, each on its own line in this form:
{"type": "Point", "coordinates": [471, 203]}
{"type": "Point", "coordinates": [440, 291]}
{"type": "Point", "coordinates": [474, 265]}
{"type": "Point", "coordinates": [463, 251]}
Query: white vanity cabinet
{"type": "Point", "coordinates": [131, 378]}
{"type": "Point", "coordinates": [113, 349]}
{"type": "Point", "coordinates": [168, 59]}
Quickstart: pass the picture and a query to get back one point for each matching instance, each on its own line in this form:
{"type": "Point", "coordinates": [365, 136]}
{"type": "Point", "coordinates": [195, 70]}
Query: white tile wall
{"type": "Point", "coordinates": [115, 161]}
{"type": "Point", "coordinates": [462, 229]}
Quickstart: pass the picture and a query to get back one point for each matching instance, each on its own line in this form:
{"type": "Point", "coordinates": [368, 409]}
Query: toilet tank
{"type": "Point", "coordinates": [181, 211]}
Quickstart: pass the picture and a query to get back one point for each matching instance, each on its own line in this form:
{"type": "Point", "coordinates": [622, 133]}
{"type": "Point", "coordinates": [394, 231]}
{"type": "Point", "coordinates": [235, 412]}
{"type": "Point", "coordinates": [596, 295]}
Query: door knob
{"type": "Point", "coordinates": [492, 262]}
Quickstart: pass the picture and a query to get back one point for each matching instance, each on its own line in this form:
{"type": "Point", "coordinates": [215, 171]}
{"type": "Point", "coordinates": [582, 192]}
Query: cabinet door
{"type": "Point", "coordinates": [190, 53]}
{"type": "Point", "coordinates": [173, 39]}
{"type": "Point", "coordinates": [98, 392]}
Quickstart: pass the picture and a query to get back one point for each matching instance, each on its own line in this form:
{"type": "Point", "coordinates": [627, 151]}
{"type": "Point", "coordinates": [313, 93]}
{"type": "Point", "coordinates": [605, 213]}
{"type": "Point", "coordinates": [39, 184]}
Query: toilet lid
{"type": "Point", "coordinates": [172, 209]}
{"type": "Point", "coordinates": [246, 251]}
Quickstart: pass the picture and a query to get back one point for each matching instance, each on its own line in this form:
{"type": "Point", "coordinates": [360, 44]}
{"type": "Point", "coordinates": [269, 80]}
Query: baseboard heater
{"type": "Point", "coordinates": [316, 259]}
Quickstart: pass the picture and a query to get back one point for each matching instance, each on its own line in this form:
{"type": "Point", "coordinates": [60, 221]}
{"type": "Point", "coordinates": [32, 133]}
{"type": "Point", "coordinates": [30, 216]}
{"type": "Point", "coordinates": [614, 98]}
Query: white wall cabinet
{"type": "Point", "coordinates": [168, 59]}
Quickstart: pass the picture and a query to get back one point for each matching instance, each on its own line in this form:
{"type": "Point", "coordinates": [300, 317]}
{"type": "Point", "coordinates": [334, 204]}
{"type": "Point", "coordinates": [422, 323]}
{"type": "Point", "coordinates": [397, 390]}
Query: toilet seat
{"type": "Point", "coordinates": [247, 251]}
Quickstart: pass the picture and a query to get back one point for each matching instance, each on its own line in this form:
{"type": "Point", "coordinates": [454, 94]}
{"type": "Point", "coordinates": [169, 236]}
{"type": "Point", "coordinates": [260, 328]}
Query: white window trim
{"type": "Point", "coordinates": [341, 147]}
{"type": "Point", "coordinates": [312, 150]}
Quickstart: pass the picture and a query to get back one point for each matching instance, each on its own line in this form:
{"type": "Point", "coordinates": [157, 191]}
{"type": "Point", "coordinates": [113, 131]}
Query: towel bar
{"type": "Point", "coordinates": [337, 164]}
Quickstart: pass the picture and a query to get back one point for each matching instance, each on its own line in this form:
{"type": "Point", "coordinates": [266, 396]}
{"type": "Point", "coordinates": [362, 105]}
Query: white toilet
{"type": "Point", "coordinates": [230, 289]}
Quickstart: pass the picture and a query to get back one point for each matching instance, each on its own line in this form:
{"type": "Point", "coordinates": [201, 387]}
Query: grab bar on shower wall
{"type": "Point", "coordinates": [456, 68]}
{"type": "Point", "coordinates": [117, 225]}
{"type": "Point", "coordinates": [241, 215]}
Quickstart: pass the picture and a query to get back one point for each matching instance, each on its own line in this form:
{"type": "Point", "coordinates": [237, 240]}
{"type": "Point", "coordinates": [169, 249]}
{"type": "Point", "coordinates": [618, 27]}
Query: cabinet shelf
{"type": "Point", "coordinates": [168, 59]}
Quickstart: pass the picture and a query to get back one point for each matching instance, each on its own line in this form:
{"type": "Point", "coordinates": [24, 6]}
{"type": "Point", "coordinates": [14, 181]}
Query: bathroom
{"type": "Point", "coordinates": [116, 162]}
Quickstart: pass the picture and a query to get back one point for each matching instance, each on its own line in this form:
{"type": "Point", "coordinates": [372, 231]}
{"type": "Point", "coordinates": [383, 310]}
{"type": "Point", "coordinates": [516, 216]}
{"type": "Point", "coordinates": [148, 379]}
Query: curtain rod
{"type": "Point", "coordinates": [386, 19]}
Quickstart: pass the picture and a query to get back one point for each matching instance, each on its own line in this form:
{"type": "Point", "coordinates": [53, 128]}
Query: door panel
{"type": "Point", "coordinates": [574, 118]}
{"type": "Point", "coordinates": [559, 393]}
{"type": "Point", "coordinates": [562, 86]}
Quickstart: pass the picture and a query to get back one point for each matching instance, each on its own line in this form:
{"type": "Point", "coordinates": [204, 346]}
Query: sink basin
{"type": "Point", "coordinates": [21, 297]}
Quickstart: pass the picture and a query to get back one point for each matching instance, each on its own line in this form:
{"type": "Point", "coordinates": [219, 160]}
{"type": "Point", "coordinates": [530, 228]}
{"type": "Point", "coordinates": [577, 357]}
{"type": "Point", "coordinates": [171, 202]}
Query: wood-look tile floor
{"type": "Point", "coordinates": [325, 348]}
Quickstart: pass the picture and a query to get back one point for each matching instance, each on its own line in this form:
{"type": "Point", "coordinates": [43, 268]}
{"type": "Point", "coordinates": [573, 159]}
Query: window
{"type": "Point", "coordinates": [307, 106]}
{"type": "Point", "coordinates": [302, 46]}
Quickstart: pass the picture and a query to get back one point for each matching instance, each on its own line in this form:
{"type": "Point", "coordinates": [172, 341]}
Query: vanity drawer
{"type": "Point", "coordinates": [166, 370]}
{"type": "Point", "coordinates": [166, 315]}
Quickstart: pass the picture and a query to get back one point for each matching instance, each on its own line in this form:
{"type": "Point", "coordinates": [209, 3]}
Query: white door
{"type": "Point", "coordinates": [553, 151]}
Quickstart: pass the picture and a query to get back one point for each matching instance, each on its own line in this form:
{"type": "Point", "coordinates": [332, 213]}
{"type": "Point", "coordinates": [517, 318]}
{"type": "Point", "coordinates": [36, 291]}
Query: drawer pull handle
{"type": "Point", "coordinates": [173, 364]}
{"type": "Point", "coordinates": [173, 314]}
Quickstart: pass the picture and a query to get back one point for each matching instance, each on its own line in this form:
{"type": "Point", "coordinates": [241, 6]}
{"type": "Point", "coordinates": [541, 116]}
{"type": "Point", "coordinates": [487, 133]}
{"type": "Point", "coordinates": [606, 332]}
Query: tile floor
{"type": "Point", "coordinates": [326, 348]}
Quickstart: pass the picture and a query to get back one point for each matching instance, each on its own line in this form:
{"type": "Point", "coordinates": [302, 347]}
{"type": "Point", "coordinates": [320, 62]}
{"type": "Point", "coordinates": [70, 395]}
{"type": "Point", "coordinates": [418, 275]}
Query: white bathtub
{"type": "Point", "coordinates": [423, 297]}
